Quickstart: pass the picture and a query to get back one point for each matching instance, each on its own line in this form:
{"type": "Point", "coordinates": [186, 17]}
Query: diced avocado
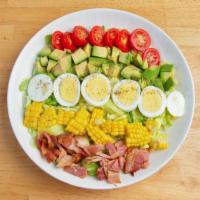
{"type": "Point", "coordinates": [39, 68]}
{"type": "Point", "coordinates": [57, 54]}
{"type": "Point", "coordinates": [48, 39]}
{"type": "Point", "coordinates": [131, 72]}
{"type": "Point", "coordinates": [51, 65]}
{"type": "Point", "coordinates": [164, 76]}
{"type": "Point", "coordinates": [145, 64]}
{"type": "Point", "coordinates": [58, 70]}
{"type": "Point", "coordinates": [99, 61]}
{"type": "Point", "coordinates": [92, 68]}
{"type": "Point", "coordinates": [44, 61]}
{"type": "Point", "coordinates": [111, 70]}
{"type": "Point", "coordinates": [167, 68]}
{"type": "Point", "coordinates": [45, 51]}
{"type": "Point", "coordinates": [158, 83]}
{"type": "Point", "coordinates": [101, 52]}
{"type": "Point", "coordinates": [169, 84]}
{"type": "Point", "coordinates": [151, 73]}
{"type": "Point", "coordinates": [79, 55]}
{"type": "Point", "coordinates": [125, 58]}
{"type": "Point", "coordinates": [115, 54]}
{"type": "Point", "coordinates": [66, 63]}
{"type": "Point", "coordinates": [144, 83]}
{"type": "Point", "coordinates": [137, 60]}
{"type": "Point", "coordinates": [88, 48]}
{"type": "Point", "coordinates": [81, 69]}
{"type": "Point", "coordinates": [137, 116]}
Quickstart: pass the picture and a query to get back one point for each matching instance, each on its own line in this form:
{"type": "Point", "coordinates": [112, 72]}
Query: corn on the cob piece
{"type": "Point", "coordinates": [64, 116]}
{"type": "Point", "coordinates": [98, 136]}
{"type": "Point", "coordinates": [77, 125]}
{"type": "Point", "coordinates": [137, 135]}
{"type": "Point", "coordinates": [152, 125]}
{"type": "Point", "coordinates": [32, 114]}
{"type": "Point", "coordinates": [97, 116]}
{"type": "Point", "coordinates": [47, 119]}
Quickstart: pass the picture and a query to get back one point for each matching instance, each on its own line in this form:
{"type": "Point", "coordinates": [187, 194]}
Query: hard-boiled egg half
{"type": "Point", "coordinates": [176, 104]}
{"type": "Point", "coordinates": [96, 89]}
{"type": "Point", "coordinates": [67, 89]}
{"type": "Point", "coordinates": [152, 102]}
{"type": "Point", "coordinates": [126, 94]}
{"type": "Point", "coordinates": [40, 87]}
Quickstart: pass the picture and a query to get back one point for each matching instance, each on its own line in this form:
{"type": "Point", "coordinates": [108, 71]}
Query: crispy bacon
{"type": "Point", "coordinates": [113, 177]}
{"type": "Point", "coordinates": [76, 170]}
{"type": "Point", "coordinates": [100, 174]}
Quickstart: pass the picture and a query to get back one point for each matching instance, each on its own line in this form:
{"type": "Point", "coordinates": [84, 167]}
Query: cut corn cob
{"type": "Point", "coordinates": [64, 116]}
{"type": "Point", "coordinates": [97, 116]}
{"type": "Point", "coordinates": [137, 135]}
{"type": "Point", "coordinates": [77, 125]}
{"type": "Point", "coordinates": [152, 125]}
{"type": "Point", "coordinates": [32, 114]}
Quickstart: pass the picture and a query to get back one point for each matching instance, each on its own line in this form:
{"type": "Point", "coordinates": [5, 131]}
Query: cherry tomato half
{"type": "Point", "coordinates": [152, 55]}
{"type": "Point", "coordinates": [80, 36]}
{"type": "Point", "coordinates": [96, 36]}
{"type": "Point", "coordinates": [140, 40]}
{"type": "Point", "coordinates": [56, 40]}
{"type": "Point", "coordinates": [67, 42]}
{"type": "Point", "coordinates": [122, 40]}
{"type": "Point", "coordinates": [110, 36]}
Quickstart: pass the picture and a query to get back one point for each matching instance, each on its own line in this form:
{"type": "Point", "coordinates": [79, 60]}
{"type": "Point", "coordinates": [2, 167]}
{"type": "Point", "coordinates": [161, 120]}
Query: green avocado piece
{"type": "Point", "coordinates": [51, 65]}
{"type": "Point", "coordinates": [81, 69]}
{"type": "Point", "coordinates": [101, 52]}
{"type": "Point", "coordinates": [66, 63]}
{"type": "Point", "coordinates": [79, 55]}
{"type": "Point", "coordinates": [115, 54]}
{"type": "Point", "coordinates": [44, 61]}
{"type": "Point", "coordinates": [48, 39]}
{"type": "Point", "coordinates": [111, 70]}
{"type": "Point", "coordinates": [131, 72]}
{"type": "Point", "coordinates": [125, 58]}
{"type": "Point", "coordinates": [92, 68]}
{"type": "Point", "coordinates": [137, 60]}
{"type": "Point", "coordinates": [99, 61]}
{"type": "Point", "coordinates": [158, 83]}
{"type": "Point", "coordinates": [164, 76]}
{"type": "Point", "coordinates": [88, 48]}
{"type": "Point", "coordinates": [145, 64]}
{"type": "Point", "coordinates": [166, 68]}
{"type": "Point", "coordinates": [45, 51]}
{"type": "Point", "coordinates": [57, 54]}
{"type": "Point", "coordinates": [151, 73]}
{"type": "Point", "coordinates": [39, 68]}
{"type": "Point", "coordinates": [169, 84]}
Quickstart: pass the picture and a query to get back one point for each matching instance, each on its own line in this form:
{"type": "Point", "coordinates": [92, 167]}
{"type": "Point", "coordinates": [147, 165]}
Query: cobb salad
{"type": "Point", "coordinates": [99, 101]}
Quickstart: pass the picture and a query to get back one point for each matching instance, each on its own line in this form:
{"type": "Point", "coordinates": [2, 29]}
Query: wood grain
{"type": "Point", "coordinates": [20, 178]}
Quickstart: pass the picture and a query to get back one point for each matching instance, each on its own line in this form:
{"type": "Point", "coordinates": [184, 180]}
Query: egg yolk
{"type": "Point", "coordinates": [151, 101]}
{"type": "Point", "coordinates": [68, 89]}
{"type": "Point", "coordinates": [97, 88]}
{"type": "Point", "coordinates": [127, 93]}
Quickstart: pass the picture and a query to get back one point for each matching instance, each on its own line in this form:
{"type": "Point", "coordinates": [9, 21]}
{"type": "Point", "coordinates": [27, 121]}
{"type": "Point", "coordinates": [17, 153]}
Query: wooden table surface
{"type": "Point", "coordinates": [20, 178]}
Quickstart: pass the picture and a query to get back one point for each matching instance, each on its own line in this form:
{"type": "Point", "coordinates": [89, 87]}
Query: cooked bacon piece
{"type": "Point", "coordinates": [76, 157]}
{"type": "Point", "coordinates": [121, 161]}
{"type": "Point", "coordinates": [93, 149]}
{"type": "Point", "coordinates": [94, 159]}
{"type": "Point", "coordinates": [110, 148]}
{"type": "Point", "coordinates": [103, 155]}
{"type": "Point", "coordinates": [65, 140]}
{"type": "Point", "coordinates": [82, 141]}
{"type": "Point", "coordinates": [121, 148]}
{"type": "Point", "coordinates": [76, 170]}
{"type": "Point", "coordinates": [113, 165]}
{"type": "Point", "coordinates": [113, 177]}
{"type": "Point", "coordinates": [100, 174]}
{"type": "Point", "coordinates": [64, 161]}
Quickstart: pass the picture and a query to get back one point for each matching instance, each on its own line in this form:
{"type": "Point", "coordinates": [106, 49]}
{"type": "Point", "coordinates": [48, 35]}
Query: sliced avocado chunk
{"type": "Point", "coordinates": [88, 48]}
{"type": "Point", "coordinates": [144, 83]}
{"type": "Point", "coordinates": [66, 63]}
{"type": "Point", "coordinates": [151, 73]}
{"type": "Point", "coordinates": [48, 39]}
{"type": "Point", "coordinates": [111, 70]}
{"type": "Point", "coordinates": [137, 60]}
{"type": "Point", "coordinates": [131, 72]}
{"type": "Point", "coordinates": [125, 58]}
{"type": "Point", "coordinates": [158, 83]}
{"type": "Point", "coordinates": [79, 55]}
{"type": "Point", "coordinates": [99, 61]}
{"type": "Point", "coordinates": [169, 84]}
{"type": "Point", "coordinates": [81, 69]}
{"type": "Point", "coordinates": [101, 52]}
{"type": "Point", "coordinates": [44, 61]}
{"type": "Point", "coordinates": [51, 65]}
{"type": "Point", "coordinates": [166, 68]}
{"type": "Point", "coordinates": [164, 76]}
{"type": "Point", "coordinates": [145, 64]}
{"type": "Point", "coordinates": [115, 54]}
{"type": "Point", "coordinates": [39, 68]}
{"type": "Point", "coordinates": [92, 68]}
{"type": "Point", "coordinates": [45, 51]}
{"type": "Point", "coordinates": [57, 54]}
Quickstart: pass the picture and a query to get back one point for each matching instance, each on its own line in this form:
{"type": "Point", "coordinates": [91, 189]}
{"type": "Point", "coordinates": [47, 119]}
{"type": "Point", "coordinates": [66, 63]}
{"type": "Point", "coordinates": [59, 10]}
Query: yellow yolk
{"type": "Point", "coordinates": [127, 93]}
{"type": "Point", "coordinates": [151, 101]}
{"type": "Point", "coordinates": [97, 88]}
{"type": "Point", "coordinates": [68, 89]}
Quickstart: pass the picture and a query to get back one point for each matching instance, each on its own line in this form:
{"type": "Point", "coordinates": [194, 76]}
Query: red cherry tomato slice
{"type": "Point", "coordinates": [80, 36]}
{"type": "Point", "coordinates": [96, 36]}
{"type": "Point", "coordinates": [56, 40]}
{"type": "Point", "coordinates": [67, 42]}
{"type": "Point", "coordinates": [110, 36]}
{"type": "Point", "coordinates": [140, 40]}
{"type": "Point", "coordinates": [122, 40]}
{"type": "Point", "coordinates": [152, 55]}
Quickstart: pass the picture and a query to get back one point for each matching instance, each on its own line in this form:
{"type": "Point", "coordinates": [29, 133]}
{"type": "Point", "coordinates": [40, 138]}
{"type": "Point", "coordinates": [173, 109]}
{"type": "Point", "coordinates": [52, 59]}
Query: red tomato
{"type": "Point", "coordinates": [67, 41]}
{"type": "Point", "coordinates": [122, 40]}
{"type": "Point", "coordinates": [110, 36]}
{"type": "Point", "coordinates": [80, 36]}
{"type": "Point", "coordinates": [152, 55]}
{"type": "Point", "coordinates": [140, 40]}
{"type": "Point", "coordinates": [57, 40]}
{"type": "Point", "coordinates": [96, 36]}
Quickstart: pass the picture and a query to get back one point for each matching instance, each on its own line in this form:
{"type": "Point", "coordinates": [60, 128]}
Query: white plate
{"type": "Point", "coordinates": [109, 18]}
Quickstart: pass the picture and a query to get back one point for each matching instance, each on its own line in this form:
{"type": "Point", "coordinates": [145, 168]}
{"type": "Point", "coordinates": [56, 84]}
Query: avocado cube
{"type": "Point", "coordinates": [88, 48]}
{"type": "Point", "coordinates": [99, 61]}
{"type": "Point", "coordinates": [158, 83]}
{"type": "Point", "coordinates": [166, 68]}
{"type": "Point", "coordinates": [92, 68]}
{"type": "Point", "coordinates": [51, 65]}
{"type": "Point", "coordinates": [66, 63]}
{"type": "Point", "coordinates": [44, 61]}
{"type": "Point", "coordinates": [137, 61]}
{"type": "Point", "coordinates": [115, 54]}
{"type": "Point", "coordinates": [111, 70]}
{"type": "Point", "coordinates": [125, 58]}
{"type": "Point", "coordinates": [39, 68]}
{"type": "Point", "coordinates": [79, 55]}
{"type": "Point", "coordinates": [151, 73]}
{"type": "Point", "coordinates": [57, 54]}
{"type": "Point", "coordinates": [131, 72]}
{"type": "Point", "coordinates": [164, 76]}
{"type": "Point", "coordinates": [169, 84]}
{"type": "Point", "coordinates": [45, 51]}
{"type": "Point", "coordinates": [81, 69]}
{"type": "Point", "coordinates": [101, 52]}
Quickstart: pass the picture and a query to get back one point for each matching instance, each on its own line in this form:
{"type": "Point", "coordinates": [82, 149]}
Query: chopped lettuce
{"type": "Point", "coordinates": [24, 84]}
{"type": "Point", "coordinates": [56, 130]}
{"type": "Point", "coordinates": [51, 101]}
{"type": "Point", "coordinates": [90, 167]}
{"type": "Point", "coordinates": [26, 100]}
{"type": "Point", "coordinates": [137, 116]}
